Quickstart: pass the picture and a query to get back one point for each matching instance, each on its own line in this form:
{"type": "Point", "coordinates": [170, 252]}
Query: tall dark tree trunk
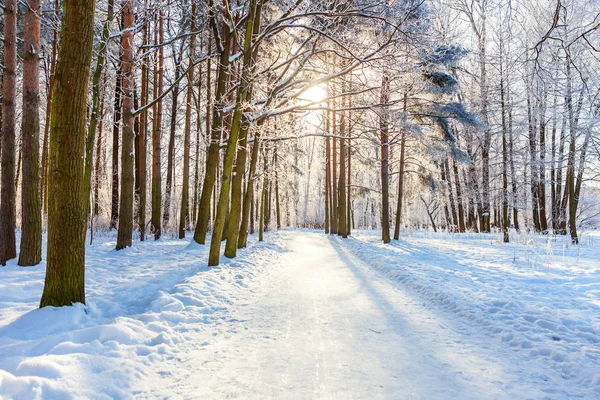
{"type": "Point", "coordinates": [49, 95]}
{"type": "Point", "coordinates": [31, 200]}
{"type": "Point", "coordinates": [171, 149]}
{"type": "Point", "coordinates": [223, 38]}
{"type": "Point", "coordinates": [385, 169]}
{"type": "Point", "coordinates": [140, 143]}
{"type": "Point", "coordinates": [156, 225]}
{"type": "Point", "coordinates": [241, 124]}
{"type": "Point", "coordinates": [542, 167]}
{"type": "Point", "coordinates": [570, 184]}
{"type": "Point", "coordinates": [505, 216]}
{"type": "Point", "coordinates": [400, 185]}
{"type": "Point", "coordinates": [64, 283]}
{"type": "Point", "coordinates": [183, 215]}
{"type": "Point", "coordinates": [114, 210]}
{"type": "Point", "coordinates": [125, 232]}
{"type": "Point", "coordinates": [8, 248]}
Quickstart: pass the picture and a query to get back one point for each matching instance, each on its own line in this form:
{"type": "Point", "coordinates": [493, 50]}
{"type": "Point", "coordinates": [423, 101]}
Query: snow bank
{"type": "Point", "coordinates": [141, 303]}
{"type": "Point", "coordinates": [538, 297]}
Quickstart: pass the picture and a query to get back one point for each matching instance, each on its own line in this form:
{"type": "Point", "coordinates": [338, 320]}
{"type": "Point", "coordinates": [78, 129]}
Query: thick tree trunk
{"type": "Point", "coordinates": [31, 200]}
{"type": "Point", "coordinates": [242, 125]}
{"type": "Point", "coordinates": [212, 159]}
{"type": "Point", "coordinates": [64, 283]}
{"type": "Point", "coordinates": [8, 248]}
{"type": "Point", "coordinates": [125, 232]}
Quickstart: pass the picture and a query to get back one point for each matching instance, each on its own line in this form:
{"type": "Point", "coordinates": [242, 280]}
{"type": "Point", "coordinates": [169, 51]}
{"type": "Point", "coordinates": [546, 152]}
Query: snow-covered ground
{"type": "Point", "coordinates": [304, 315]}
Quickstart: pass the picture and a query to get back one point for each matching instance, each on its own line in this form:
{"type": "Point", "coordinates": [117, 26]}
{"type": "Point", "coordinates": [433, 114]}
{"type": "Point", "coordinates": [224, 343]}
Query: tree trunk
{"type": "Point", "coordinates": [64, 283]}
{"type": "Point", "coordinates": [212, 159]}
{"type": "Point", "coordinates": [171, 149]}
{"type": "Point", "coordinates": [533, 164]}
{"type": "Point", "coordinates": [242, 125]}
{"type": "Point", "coordinates": [385, 169]}
{"type": "Point", "coordinates": [505, 217]}
{"type": "Point", "coordinates": [542, 169]}
{"type": "Point", "coordinates": [400, 186]}
{"type": "Point", "coordinates": [156, 226]}
{"type": "Point", "coordinates": [95, 111]}
{"type": "Point", "coordinates": [571, 158]}
{"type": "Point", "coordinates": [49, 95]}
{"type": "Point", "coordinates": [327, 175]}
{"type": "Point", "coordinates": [31, 200]}
{"type": "Point", "coordinates": [513, 175]}
{"type": "Point", "coordinates": [183, 215]}
{"type": "Point", "coordinates": [125, 232]}
{"type": "Point", "coordinates": [114, 210]}
{"type": "Point", "coordinates": [141, 140]}
{"type": "Point", "coordinates": [8, 248]}
{"type": "Point", "coordinates": [263, 198]}
{"type": "Point", "coordinates": [98, 163]}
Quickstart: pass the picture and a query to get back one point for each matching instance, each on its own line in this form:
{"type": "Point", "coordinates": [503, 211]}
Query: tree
{"type": "Point", "coordinates": [184, 215]}
{"type": "Point", "coordinates": [64, 283]}
{"type": "Point", "coordinates": [125, 232]}
{"type": "Point", "coordinates": [8, 249]}
{"type": "Point", "coordinates": [155, 225]}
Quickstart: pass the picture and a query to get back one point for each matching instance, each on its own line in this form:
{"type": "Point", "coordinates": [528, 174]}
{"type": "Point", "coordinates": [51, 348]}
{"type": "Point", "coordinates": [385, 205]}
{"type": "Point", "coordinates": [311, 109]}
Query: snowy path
{"type": "Point", "coordinates": [305, 315]}
{"type": "Point", "coordinates": [324, 326]}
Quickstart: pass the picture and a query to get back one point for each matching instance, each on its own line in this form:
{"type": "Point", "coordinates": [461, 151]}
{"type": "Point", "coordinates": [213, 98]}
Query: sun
{"type": "Point", "coordinates": [315, 94]}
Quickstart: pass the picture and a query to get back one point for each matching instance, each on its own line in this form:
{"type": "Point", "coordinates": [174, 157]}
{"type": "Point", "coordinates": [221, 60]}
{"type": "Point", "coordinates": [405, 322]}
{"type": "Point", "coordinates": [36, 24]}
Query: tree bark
{"type": "Point", "coordinates": [64, 283]}
{"type": "Point", "coordinates": [31, 199]}
{"type": "Point", "coordinates": [385, 169]}
{"type": "Point", "coordinates": [114, 210]}
{"type": "Point", "coordinates": [49, 95]}
{"type": "Point", "coordinates": [125, 232]}
{"type": "Point", "coordinates": [8, 248]}
{"type": "Point", "coordinates": [140, 143]}
{"type": "Point", "coordinates": [156, 225]}
{"type": "Point", "coordinates": [212, 159]}
{"type": "Point", "coordinates": [171, 148]}
{"type": "Point", "coordinates": [183, 215]}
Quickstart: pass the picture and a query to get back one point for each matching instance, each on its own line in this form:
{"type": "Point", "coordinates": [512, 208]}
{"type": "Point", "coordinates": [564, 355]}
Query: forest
{"type": "Point", "coordinates": [240, 130]}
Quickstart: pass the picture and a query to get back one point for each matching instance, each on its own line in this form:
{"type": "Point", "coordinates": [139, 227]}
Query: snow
{"type": "Point", "coordinates": [304, 315]}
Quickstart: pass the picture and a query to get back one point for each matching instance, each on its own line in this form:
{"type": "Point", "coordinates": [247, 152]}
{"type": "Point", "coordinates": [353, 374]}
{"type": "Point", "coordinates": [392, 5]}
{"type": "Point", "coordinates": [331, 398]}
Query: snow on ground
{"type": "Point", "coordinates": [309, 316]}
{"type": "Point", "coordinates": [142, 304]}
